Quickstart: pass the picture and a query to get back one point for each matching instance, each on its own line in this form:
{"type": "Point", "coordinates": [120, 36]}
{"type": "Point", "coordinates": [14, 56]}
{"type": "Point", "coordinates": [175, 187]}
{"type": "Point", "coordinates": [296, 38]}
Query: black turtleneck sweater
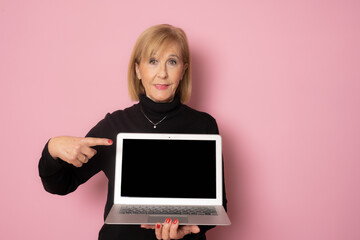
{"type": "Point", "coordinates": [61, 178]}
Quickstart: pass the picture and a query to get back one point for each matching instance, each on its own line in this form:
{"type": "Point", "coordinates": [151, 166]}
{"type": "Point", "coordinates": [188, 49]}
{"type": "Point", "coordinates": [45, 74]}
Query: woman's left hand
{"type": "Point", "coordinates": [171, 230]}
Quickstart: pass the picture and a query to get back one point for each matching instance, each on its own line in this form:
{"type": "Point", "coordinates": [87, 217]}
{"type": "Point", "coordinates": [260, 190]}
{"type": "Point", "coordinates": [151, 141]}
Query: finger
{"type": "Point", "coordinates": [185, 230]}
{"type": "Point", "coordinates": [147, 226]}
{"type": "Point", "coordinates": [76, 163]}
{"type": "Point", "coordinates": [87, 151]}
{"type": "Point", "coordinates": [195, 229]}
{"type": "Point", "coordinates": [91, 142]}
{"type": "Point", "coordinates": [71, 157]}
{"type": "Point", "coordinates": [158, 231]}
{"type": "Point", "coordinates": [174, 230]}
{"type": "Point", "coordinates": [82, 158]}
{"type": "Point", "coordinates": [166, 229]}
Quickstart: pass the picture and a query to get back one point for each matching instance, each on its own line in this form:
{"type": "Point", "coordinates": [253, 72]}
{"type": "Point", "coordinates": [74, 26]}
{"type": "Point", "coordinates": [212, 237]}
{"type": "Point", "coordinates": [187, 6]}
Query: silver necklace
{"type": "Point", "coordinates": [155, 124]}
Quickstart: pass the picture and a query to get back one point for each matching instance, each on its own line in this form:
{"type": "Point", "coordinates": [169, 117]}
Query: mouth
{"type": "Point", "coordinates": [161, 86]}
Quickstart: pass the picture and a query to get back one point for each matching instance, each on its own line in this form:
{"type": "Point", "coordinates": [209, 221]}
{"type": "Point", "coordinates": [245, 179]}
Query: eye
{"type": "Point", "coordinates": [172, 62]}
{"type": "Point", "coordinates": [152, 61]}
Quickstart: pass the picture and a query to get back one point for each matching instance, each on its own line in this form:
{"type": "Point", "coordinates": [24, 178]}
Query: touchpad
{"type": "Point", "coordinates": [161, 219]}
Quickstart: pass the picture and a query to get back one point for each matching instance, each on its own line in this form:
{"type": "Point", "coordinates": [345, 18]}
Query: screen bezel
{"type": "Point", "coordinates": [118, 199]}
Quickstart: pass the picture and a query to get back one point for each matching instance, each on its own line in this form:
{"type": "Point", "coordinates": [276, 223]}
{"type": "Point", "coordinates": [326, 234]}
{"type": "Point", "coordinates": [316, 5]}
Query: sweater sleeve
{"type": "Point", "coordinates": [213, 129]}
{"type": "Point", "coordinates": [59, 177]}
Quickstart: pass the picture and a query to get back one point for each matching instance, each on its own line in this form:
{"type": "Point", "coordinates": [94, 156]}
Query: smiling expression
{"type": "Point", "coordinates": [161, 73]}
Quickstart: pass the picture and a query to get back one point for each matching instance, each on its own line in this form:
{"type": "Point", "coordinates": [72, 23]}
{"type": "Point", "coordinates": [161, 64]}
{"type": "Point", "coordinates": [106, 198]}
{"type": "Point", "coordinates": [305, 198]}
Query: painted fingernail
{"type": "Point", "coordinates": [158, 225]}
{"type": "Point", "coordinates": [168, 220]}
{"type": "Point", "coordinates": [175, 221]}
{"type": "Point", "coordinates": [110, 141]}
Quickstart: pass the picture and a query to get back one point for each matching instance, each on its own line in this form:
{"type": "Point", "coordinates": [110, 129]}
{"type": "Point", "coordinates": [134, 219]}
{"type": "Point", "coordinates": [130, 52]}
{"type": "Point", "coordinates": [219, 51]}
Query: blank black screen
{"type": "Point", "coordinates": [169, 168]}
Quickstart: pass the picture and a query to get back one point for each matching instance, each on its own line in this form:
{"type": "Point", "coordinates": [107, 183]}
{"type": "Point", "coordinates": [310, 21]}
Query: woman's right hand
{"type": "Point", "coordinates": [75, 150]}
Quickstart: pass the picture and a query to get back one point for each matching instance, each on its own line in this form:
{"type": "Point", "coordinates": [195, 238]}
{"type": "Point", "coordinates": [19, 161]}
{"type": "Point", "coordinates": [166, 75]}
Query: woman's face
{"type": "Point", "coordinates": [161, 74]}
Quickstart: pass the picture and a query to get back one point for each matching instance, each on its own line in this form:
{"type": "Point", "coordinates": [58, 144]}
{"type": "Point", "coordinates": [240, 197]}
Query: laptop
{"type": "Point", "coordinates": [168, 175]}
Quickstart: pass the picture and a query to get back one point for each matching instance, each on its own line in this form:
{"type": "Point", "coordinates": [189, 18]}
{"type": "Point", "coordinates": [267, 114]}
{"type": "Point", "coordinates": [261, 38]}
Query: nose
{"type": "Point", "coordinates": [162, 71]}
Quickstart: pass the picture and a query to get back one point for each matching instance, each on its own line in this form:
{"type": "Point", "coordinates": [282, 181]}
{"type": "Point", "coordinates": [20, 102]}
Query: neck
{"type": "Point", "coordinates": [156, 110]}
{"type": "Point", "coordinates": [159, 101]}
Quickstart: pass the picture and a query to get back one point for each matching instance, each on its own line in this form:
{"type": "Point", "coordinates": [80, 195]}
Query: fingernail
{"type": "Point", "coordinates": [158, 225]}
{"type": "Point", "coordinates": [175, 221]}
{"type": "Point", "coordinates": [168, 220]}
{"type": "Point", "coordinates": [110, 141]}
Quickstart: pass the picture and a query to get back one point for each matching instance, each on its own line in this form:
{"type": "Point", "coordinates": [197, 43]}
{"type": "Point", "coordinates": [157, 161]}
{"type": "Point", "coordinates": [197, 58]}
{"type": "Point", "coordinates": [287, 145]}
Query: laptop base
{"type": "Point", "coordinates": [115, 217]}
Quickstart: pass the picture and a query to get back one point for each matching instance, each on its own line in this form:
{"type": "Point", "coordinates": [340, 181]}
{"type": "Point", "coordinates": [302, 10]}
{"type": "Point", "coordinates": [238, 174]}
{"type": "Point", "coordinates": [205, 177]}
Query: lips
{"type": "Point", "coordinates": [161, 86]}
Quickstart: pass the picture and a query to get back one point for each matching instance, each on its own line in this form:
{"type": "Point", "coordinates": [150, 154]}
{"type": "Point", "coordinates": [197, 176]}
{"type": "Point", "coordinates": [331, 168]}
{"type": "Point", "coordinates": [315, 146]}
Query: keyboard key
{"type": "Point", "coordinates": [168, 210]}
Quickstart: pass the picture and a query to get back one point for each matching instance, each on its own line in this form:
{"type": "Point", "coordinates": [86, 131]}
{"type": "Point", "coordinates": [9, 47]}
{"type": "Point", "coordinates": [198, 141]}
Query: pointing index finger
{"type": "Point", "coordinates": [91, 142]}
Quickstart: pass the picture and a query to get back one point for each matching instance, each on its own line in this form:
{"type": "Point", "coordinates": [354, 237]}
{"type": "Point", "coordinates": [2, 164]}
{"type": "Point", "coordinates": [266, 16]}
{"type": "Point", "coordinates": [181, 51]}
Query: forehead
{"type": "Point", "coordinates": [166, 50]}
{"type": "Point", "coordinates": [163, 49]}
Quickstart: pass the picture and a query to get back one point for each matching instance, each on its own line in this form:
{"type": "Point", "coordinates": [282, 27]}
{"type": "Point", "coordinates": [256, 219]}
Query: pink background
{"type": "Point", "coordinates": [281, 78]}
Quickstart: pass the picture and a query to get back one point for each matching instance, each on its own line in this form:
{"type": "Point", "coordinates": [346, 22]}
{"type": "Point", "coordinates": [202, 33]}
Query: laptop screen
{"type": "Point", "coordinates": [157, 168]}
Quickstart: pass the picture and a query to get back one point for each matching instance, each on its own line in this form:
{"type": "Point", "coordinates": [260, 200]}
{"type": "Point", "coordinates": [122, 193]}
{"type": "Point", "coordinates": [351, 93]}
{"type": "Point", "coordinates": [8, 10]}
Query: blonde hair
{"type": "Point", "coordinates": [150, 41]}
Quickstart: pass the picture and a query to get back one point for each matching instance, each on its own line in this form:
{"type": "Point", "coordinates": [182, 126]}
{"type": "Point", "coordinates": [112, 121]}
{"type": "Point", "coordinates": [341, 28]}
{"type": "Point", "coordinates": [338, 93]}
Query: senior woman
{"type": "Point", "coordinates": [159, 79]}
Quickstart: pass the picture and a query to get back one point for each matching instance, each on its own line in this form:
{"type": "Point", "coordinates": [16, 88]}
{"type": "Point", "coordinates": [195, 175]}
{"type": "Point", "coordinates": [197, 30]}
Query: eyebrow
{"type": "Point", "coordinates": [171, 55]}
{"type": "Point", "coordinates": [174, 55]}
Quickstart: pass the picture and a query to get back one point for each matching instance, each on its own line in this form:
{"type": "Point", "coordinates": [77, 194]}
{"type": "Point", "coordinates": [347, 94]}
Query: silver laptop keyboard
{"type": "Point", "coordinates": [168, 210]}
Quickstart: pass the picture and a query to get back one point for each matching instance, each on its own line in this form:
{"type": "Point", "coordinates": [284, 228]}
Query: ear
{"type": "Point", "coordinates": [137, 70]}
{"type": "Point", "coordinates": [186, 65]}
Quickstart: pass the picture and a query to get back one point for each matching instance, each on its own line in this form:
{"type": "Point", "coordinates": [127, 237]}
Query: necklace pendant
{"type": "Point", "coordinates": [150, 119]}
